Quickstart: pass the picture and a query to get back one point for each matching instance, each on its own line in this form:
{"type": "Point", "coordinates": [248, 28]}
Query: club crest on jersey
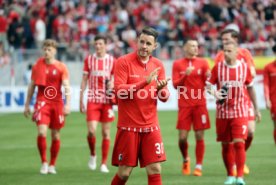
{"type": "Point", "coordinates": [199, 71]}
{"type": "Point", "coordinates": [54, 72]}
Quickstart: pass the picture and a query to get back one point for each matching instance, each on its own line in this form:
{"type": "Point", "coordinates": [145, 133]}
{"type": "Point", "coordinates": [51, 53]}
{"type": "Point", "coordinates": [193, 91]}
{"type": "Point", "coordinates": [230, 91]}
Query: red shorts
{"type": "Point", "coordinates": [228, 129]}
{"type": "Point", "coordinates": [50, 114]}
{"type": "Point", "coordinates": [273, 113]}
{"type": "Point", "coordinates": [130, 146]}
{"type": "Point", "coordinates": [99, 112]}
{"type": "Point", "coordinates": [197, 116]}
{"type": "Point", "coordinates": [251, 114]}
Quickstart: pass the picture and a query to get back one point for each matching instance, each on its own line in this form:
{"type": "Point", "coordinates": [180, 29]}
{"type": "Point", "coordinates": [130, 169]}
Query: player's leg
{"type": "Point", "coordinates": [183, 146]}
{"type": "Point", "coordinates": [122, 175]}
{"type": "Point", "coordinates": [105, 146]}
{"type": "Point", "coordinates": [199, 151]}
{"type": "Point", "coordinates": [224, 136]}
{"type": "Point", "coordinates": [55, 147]}
{"type": "Point", "coordinates": [152, 154]}
{"type": "Point", "coordinates": [125, 155]}
{"type": "Point", "coordinates": [184, 125]}
{"type": "Point", "coordinates": [107, 116]}
{"type": "Point", "coordinates": [91, 139]}
{"type": "Point", "coordinates": [42, 146]}
{"type": "Point", "coordinates": [201, 122]}
{"type": "Point", "coordinates": [239, 132]}
{"type": "Point", "coordinates": [154, 174]}
{"type": "Point", "coordinates": [248, 141]}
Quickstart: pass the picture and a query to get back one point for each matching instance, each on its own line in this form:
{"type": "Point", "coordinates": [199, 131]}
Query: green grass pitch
{"type": "Point", "coordinates": [20, 164]}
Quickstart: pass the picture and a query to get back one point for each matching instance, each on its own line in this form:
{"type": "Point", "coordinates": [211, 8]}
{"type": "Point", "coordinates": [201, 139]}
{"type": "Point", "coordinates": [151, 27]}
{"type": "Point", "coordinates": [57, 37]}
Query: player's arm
{"type": "Point", "coordinates": [82, 90]}
{"type": "Point", "coordinates": [121, 84]}
{"type": "Point", "coordinates": [212, 80]}
{"type": "Point", "coordinates": [266, 88]}
{"type": "Point", "coordinates": [252, 94]}
{"type": "Point", "coordinates": [30, 93]}
{"type": "Point", "coordinates": [250, 62]}
{"type": "Point", "coordinates": [179, 79]}
{"type": "Point", "coordinates": [66, 85]}
{"type": "Point", "coordinates": [163, 92]}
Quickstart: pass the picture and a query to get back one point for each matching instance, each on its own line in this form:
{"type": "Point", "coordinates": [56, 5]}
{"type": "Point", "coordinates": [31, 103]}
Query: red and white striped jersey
{"type": "Point", "coordinates": [237, 78]}
{"type": "Point", "coordinates": [99, 71]}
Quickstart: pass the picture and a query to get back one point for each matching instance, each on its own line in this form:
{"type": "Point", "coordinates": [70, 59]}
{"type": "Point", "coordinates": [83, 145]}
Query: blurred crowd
{"type": "Point", "coordinates": [25, 24]}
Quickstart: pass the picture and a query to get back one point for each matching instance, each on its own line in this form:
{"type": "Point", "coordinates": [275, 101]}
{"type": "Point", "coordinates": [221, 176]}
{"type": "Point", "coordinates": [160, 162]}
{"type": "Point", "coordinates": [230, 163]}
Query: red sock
{"type": "Point", "coordinates": [118, 181]}
{"type": "Point", "coordinates": [154, 179]}
{"type": "Point", "coordinates": [183, 146]}
{"type": "Point", "coordinates": [228, 157]}
{"type": "Point", "coordinates": [54, 151]}
{"type": "Point", "coordinates": [105, 148]}
{"type": "Point", "coordinates": [42, 147]}
{"type": "Point", "coordinates": [92, 142]}
{"type": "Point", "coordinates": [274, 134]}
{"type": "Point", "coordinates": [240, 157]}
{"type": "Point", "coordinates": [200, 149]}
{"type": "Point", "coordinates": [248, 142]}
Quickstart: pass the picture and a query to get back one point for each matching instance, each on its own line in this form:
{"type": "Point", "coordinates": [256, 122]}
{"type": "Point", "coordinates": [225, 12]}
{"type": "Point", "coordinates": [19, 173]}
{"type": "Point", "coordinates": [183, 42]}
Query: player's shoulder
{"type": "Point", "coordinates": [60, 65]}
{"type": "Point", "coordinates": [156, 61]}
{"type": "Point", "coordinates": [269, 65]}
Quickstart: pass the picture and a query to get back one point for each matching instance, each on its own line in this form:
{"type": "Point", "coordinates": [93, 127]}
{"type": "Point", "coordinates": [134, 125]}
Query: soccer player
{"type": "Point", "coordinates": [139, 82]}
{"type": "Point", "coordinates": [48, 75]}
{"type": "Point", "coordinates": [270, 89]}
{"type": "Point", "coordinates": [245, 56]}
{"type": "Point", "coordinates": [189, 77]}
{"type": "Point", "coordinates": [232, 77]}
{"type": "Point", "coordinates": [98, 75]}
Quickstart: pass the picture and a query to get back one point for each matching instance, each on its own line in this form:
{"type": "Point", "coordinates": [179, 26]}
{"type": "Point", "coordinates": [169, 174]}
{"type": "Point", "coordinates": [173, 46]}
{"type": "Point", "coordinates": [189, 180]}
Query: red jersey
{"type": "Point", "coordinates": [137, 109]}
{"type": "Point", "coordinates": [270, 82]}
{"type": "Point", "coordinates": [190, 88]}
{"type": "Point", "coordinates": [99, 71]}
{"type": "Point", "coordinates": [237, 78]}
{"type": "Point", "coordinates": [243, 55]}
{"type": "Point", "coordinates": [53, 74]}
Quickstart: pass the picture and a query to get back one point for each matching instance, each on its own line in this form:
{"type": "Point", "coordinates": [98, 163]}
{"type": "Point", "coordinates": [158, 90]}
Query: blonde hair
{"type": "Point", "coordinates": [50, 43]}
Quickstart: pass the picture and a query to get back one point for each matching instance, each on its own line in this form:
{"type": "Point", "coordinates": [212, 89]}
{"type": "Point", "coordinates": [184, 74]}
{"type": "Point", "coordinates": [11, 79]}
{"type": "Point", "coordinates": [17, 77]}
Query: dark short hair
{"type": "Point", "coordinates": [100, 37]}
{"type": "Point", "coordinates": [234, 34]}
{"type": "Point", "coordinates": [189, 39]}
{"type": "Point", "coordinates": [149, 31]}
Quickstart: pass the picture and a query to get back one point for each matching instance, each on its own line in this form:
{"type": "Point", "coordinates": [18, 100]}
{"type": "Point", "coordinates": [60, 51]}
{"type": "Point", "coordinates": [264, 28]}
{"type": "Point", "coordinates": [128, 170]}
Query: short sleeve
{"type": "Point", "coordinates": [65, 74]}
{"type": "Point", "coordinates": [85, 64]}
{"type": "Point", "coordinates": [214, 76]}
{"type": "Point", "coordinates": [249, 77]}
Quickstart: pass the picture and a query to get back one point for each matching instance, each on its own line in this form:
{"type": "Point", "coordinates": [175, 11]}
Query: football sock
{"type": "Point", "coordinates": [183, 146]}
{"type": "Point", "coordinates": [92, 142]}
{"type": "Point", "coordinates": [228, 157]}
{"type": "Point", "coordinates": [118, 181]}
{"type": "Point", "coordinates": [105, 148]}
{"type": "Point", "coordinates": [200, 149]}
{"type": "Point", "coordinates": [154, 179]}
{"type": "Point", "coordinates": [274, 134]}
{"type": "Point", "coordinates": [54, 151]}
{"type": "Point", "coordinates": [248, 142]}
{"type": "Point", "coordinates": [42, 147]}
{"type": "Point", "coordinates": [240, 157]}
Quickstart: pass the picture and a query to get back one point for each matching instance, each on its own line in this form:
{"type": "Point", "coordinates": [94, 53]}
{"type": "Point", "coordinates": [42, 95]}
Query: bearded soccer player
{"type": "Point", "coordinates": [98, 75]}
{"type": "Point", "coordinates": [48, 75]}
{"type": "Point", "coordinates": [139, 82]}
{"type": "Point", "coordinates": [245, 56]}
{"type": "Point", "coordinates": [270, 90]}
{"type": "Point", "coordinates": [189, 77]}
{"type": "Point", "coordinates": [232, 77]}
